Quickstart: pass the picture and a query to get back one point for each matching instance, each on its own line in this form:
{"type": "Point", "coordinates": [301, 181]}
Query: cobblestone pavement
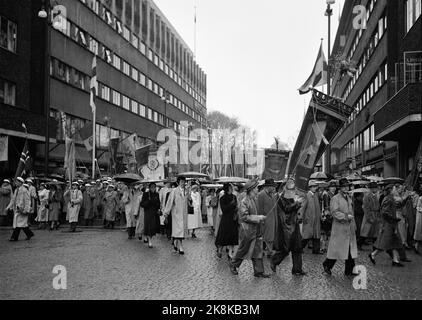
{"type": "Point", "coordinates": [103, 264]}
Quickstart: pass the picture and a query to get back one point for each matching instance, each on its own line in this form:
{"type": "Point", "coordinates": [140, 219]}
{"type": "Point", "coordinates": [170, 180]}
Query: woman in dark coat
{"type": "Point", "coordinates": [151, 204]}
{"type": "Point", "coordinates": [228, 233]}
{"type": "Point", "coordinates": [54, 200]}
{"type": "Point", "coordinates": [388, 238]}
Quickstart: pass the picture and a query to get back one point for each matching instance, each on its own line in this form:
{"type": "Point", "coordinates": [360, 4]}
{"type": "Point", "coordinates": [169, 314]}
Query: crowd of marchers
{"type": "Point", "coordinates": [249, 221]}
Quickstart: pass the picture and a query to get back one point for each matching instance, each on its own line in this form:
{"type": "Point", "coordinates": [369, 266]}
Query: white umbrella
{"type": "Point", "coordinates": [318, 176]}
{"type": "Point", "coordinates": [231, 180]}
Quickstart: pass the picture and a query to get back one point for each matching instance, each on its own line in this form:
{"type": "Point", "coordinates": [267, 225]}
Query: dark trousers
{"type": "Point", "coordinates": [73, 226]}
{"type": "Point", "coordinates": [258, 264]}
{"type": "Point", "coordinates": [278, 257]}
{"type": "Point", "coordinates": [401, 251]}
{"type": "Point", "coordinates": [350, 264]}
{"type": "Point", "coordinates": [316, 246]}
{"type": "Point", "coordinates": [131, 232]}
{"type": "Point", "coordinates": [17, 231]}
{"type": "Point", "coordinates": [168, 226]}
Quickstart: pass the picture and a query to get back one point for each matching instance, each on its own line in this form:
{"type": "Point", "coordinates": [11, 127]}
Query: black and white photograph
{"type": "Point", "coordinates": [224, 152]}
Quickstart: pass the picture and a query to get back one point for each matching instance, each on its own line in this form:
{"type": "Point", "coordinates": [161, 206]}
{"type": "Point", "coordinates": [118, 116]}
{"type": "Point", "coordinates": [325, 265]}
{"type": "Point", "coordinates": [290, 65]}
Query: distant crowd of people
{"type": "Point", "coordinates": [249, 221]}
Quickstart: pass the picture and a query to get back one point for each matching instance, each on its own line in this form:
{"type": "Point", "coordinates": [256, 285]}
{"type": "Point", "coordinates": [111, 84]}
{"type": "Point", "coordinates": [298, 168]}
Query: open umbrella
{"type": "Point", "coordinates": [374, 178]}
{"type": "Point", "coordinates": [318, 176]}
{"type": "Point", "coordinates": [128, 177]}
{"type": "Point", "coordinates": [194, 175]}
{"type": "Point", "coordinates": [354, 177]}
{"type": "Point", "coordinates": [393, 180]}
{"type": "Point", "coordinates": [360, 182]}
{"type": "Point", "coordinates": [360, 190]}
{"type": "Point", "coordinates": [231, 180]}
{"type": "Point", "coordinates": [212, 186]}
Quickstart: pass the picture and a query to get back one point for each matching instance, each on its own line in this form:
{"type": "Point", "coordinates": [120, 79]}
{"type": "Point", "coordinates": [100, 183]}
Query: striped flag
{"type": "Point", "coordinates": [23, 162]}
{"type": "Point", "coordinates": [319, 74]}
{"type": "Point", "coordinates": [93, 84]}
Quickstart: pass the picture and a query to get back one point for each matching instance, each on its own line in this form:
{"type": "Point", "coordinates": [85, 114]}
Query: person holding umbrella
{"type": "Point", "coordinates": [342, 243]}
{"type": "Point", "coordinates": [250, 233]}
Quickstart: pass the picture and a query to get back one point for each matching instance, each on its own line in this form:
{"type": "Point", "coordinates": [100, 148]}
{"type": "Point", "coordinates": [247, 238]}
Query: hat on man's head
{"type": "Point", "coordinates": [7, 181]}
{"type": "Point", "coordinates": [88, 185]}
{"type": "Point", "coordinates": [372, 185]}
{"type": "Point", "coordinates": [250, 185]}
{"type": "Point", "coordinates": [29, 180]}
{"type": "Point", "coordinates": [332, 183]}
{"type": "Point", "coordinates": [312, 183]}
{"type": "Point", "coordinates": [181, 178]}
{"type": "Point", "coordinates": [343, 182]}
{"type": "Point", "coordinates": [20, 179]}
{"type": "Point", "coordinates": [269, 183]}
{"type": "Point", "coordinates": [290, 189]}
{"type": "Point", "coordinates": [26, 185]}
{"type": "Point", "coordinates": [75, 183]}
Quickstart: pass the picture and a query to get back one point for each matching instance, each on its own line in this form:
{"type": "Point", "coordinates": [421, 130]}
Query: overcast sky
{"type": "Point", "coordinates": [256, 55]}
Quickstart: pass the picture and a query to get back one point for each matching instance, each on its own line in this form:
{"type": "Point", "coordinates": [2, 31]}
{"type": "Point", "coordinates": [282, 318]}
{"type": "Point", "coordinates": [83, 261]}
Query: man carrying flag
{"type": "Point", "coordinates": [318, 76]}
{"type": "Point", "coordinates": [23, 162]}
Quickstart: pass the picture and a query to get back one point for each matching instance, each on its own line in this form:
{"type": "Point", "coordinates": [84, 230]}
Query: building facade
{"type": "Point", "coordinates": [147, 76]}
{"type": "Point", "coordinates": [382, 135]}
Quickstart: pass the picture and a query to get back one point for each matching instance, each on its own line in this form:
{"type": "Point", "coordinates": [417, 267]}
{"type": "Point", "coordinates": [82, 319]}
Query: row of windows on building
{"type": "Point", "coordinates": [367, 53]}
{"type": "Point", "coordinates": [8, 34]}
{"type": "Point", "coordinates": [103, 133]}
{"type": "Point", "coordinates": [78, 79]}
{"type": "Point", "coordinates": [369, 9]}
{"type": "Point", "coordinates": [7, 92]}
{"type": "Point", "coordinates": [83, 38]}
{"type": "Point", "coordinates": [413, 12]}
{"type": "Point", "coordinates": [370, 91]}
{"type": "Point", "coordinates": [364, 141]}
{"type": "Point", "coordinates": [172, 49]}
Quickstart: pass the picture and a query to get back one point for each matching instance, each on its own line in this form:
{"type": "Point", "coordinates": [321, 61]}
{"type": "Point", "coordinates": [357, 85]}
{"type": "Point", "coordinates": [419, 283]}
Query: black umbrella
{"type": "Point", "coordinates": [128, 178]}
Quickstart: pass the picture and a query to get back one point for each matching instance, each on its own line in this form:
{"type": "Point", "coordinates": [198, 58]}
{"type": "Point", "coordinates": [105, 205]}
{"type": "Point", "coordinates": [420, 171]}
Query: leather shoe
{"type": "Point", "coordinates": [299, 273]}
{"type": "Point", "coordinates": [327, 270]}
{"type": "Point", "coordinates": [261, 275]}
{"type": "Point", "coordinates": [372, 259]}
{"type": "Point", "coordinates": [233, 269]}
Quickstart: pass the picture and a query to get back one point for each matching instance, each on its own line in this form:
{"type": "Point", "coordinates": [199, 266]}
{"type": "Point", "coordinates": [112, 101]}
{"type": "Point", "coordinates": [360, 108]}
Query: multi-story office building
{"type": "Point", "coordinates": [382, 135]}
{"type": "Point", "coordinates": [147, 76]}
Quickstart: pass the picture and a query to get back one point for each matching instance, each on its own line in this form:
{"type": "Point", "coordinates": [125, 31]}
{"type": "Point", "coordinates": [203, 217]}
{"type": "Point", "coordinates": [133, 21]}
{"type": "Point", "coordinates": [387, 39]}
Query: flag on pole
{"type": "Point", "coordinates": [318, 76]}
{"type": "Point", "coordinates": [86, 136]}
{"type": "Point", "coordinates": [93, 86]}
{"type": "Point", "coordinates": [23, 162]}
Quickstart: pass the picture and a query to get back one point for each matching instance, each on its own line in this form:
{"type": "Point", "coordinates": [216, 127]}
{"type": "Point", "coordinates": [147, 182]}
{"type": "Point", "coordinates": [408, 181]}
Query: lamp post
{"type": "Point", "coordinates": [45, 14]}
{"type": "Point", "coordinates": [328, 14]}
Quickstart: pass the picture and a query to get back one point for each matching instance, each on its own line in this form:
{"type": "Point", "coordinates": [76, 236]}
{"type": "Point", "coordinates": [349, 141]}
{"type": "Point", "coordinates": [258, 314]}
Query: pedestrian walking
{"type": "Point", "coordinates": [358, 214]}
{"type": "Point", "coordinates": [42, 208]}
{"type": "Point", "coordinates": [74, 205]}
{"type": "Point", "coordinates": [6, 193]}
{"type": "Point", "coordinates": [21, 206]}
{"type": "Point", "coordinates": [88, 204]}
{"type": "Point", "coordinates": [131, 204]}
{"type": "Point", "coordinates": [228, 233]}
{"type": "Point", "coordinates": [326, 217]}
{"type": "Point", "coordinates": [110, 206]}
{"type": "Point", "coordinates": [371, 217]}
{"type": "Point", "coordinates": [311, 216]}
{"type": "Point", "coordinates": [163, 193]}
{"type": "Point", "coordinates": [342, 245]}
{"type": "Point", "coordinates": [177, 207]}
{"type": "Point", "coordinates": [34, 200]}
{"type": "Point", "coordinates": [287, 230]}
{"type": "Point", "coordinates": [139, 213]}
{"type": "Point", "coordinates": [151, 204]}
{"type": "Point", "coordinates": [250, 233]}
{"type": "Point", "coordinates": [418, 225]}
{"type": "Point", "coordinates": [54, 205]}
{"type": "Point", "coordinates": [267, 206]}
{"type": "Point", "coordinates": [195, 214]}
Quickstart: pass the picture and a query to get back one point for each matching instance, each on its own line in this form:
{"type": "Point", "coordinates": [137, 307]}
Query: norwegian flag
{"type": "Point", "coordinates": [93, 87]}
{"type": "Point", "coordinates": [24, 162]}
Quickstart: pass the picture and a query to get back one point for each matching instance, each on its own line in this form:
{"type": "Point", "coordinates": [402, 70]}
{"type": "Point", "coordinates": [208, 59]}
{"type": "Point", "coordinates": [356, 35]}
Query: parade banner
{"type": "Point", "coordinates": [4, 148]}
{"type": "Point", "coordinates": [324, 118]}
{"type": "Point", "coordinates": [275, 164]}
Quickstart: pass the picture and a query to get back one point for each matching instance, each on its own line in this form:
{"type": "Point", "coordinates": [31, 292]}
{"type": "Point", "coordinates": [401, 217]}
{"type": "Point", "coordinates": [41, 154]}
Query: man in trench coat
{"type": "Point", "coordinates": [311, 215]}
{"type": "Point", "coordinates": [371, 217]}
{"type": "Point", "coordinates": [21, 206]}
{"type": "Point", "coordinates": [342, 243]}
{"type": "Point", "coordinates": [250, 235]}
{"type": "Point", "coordinates": [267, 206]}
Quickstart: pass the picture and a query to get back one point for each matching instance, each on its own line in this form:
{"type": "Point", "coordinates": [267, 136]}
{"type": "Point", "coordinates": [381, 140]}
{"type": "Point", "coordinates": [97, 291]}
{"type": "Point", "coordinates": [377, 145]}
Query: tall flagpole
{"type": "Point", "coordinates": [93, 92]}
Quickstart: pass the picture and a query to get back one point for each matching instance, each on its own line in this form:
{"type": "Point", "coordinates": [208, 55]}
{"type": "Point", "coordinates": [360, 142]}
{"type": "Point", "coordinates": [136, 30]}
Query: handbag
{"type": "Point", "coordinates": [190, 207]}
